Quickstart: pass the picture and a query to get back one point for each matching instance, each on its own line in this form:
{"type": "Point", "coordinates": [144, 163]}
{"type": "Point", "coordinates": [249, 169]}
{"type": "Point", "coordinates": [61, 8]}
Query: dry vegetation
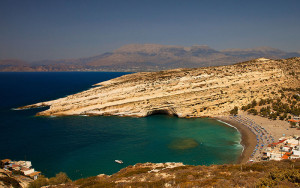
{"type": "Point", "coordinates": [60, 178]}
{"type": "Point", "coordinates": [264, 174]}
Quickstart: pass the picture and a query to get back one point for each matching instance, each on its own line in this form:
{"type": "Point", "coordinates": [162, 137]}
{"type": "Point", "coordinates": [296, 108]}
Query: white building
{"type": "Point", "coordinates": [27, 171]}
{"type": "Point", "coordinates": [274, 156]}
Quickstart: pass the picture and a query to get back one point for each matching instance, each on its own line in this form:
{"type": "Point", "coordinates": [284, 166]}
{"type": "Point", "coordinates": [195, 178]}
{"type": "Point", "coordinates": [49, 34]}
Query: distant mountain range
{"type": "Point", "coordinates": [148, 57]}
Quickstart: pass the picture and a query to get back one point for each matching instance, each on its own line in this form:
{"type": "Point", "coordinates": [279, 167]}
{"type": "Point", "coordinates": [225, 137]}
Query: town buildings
{"type": "Point", "coordinates": [285, 148]}
{"type": "Point", "coordinates": [24, 167]}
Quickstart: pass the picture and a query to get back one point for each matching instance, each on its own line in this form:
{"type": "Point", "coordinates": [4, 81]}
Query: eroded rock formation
{"type": "Point", "coordinates": [198, 92]}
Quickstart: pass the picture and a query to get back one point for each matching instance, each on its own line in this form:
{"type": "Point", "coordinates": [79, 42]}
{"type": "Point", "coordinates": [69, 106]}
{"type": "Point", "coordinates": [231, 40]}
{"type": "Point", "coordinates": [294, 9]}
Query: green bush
{"type": "Point", "coordinates": [253, 111]}
{"type": "Point", "coordinates": [18, 172]}
{"type": "Point", "coordinates": [296, 97]}
{"type": "Point", "coordinates": [262, 102]}
{"type": "Point", "coordinates": [41, 181]}
{"type": "Point", "coordinates": [273, 116]}
{"type": "Point", "coordinates": [60, 178]}
{"type": "Point", "coordinates": [234, 111]}
{"type": "Point", "coordinates": [254, 103]}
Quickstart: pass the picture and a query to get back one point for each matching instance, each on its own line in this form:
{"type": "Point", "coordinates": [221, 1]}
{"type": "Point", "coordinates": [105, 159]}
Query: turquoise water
{"type": "Point", "coordinates": [86, 146]}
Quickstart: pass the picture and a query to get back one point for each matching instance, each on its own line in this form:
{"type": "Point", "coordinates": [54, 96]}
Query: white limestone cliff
{"type": "Point", "coordinates": [198, 92]}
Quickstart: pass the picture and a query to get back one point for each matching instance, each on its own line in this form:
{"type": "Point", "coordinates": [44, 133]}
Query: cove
{"type": "Point", "coordinates": [87, 146]}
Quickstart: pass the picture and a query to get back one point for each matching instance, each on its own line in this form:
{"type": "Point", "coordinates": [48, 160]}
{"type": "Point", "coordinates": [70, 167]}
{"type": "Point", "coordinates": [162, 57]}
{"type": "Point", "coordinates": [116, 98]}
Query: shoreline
{"type": "Point", "coordinates": [248, 138]}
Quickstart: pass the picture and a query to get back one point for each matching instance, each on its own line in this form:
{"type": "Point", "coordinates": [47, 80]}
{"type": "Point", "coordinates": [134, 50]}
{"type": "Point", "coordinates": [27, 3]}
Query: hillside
{"type": "Point", "coordinates": [149, 57]}
{"type": "Point", "coordinates": [264, 174]}
{"type": "Point", "coordinates": [208, 91]}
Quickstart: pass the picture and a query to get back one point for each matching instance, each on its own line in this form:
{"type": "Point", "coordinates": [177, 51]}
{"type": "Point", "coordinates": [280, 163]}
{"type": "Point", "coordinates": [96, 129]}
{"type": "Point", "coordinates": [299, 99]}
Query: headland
{"type": "Point", "coordinates": [187, 93]}
{"type": "Point", "coordinates": [198, 92]}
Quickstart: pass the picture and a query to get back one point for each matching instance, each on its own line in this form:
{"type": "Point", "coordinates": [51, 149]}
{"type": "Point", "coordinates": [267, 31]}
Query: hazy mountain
{"type": "Point", "coordinates": [149, 57]}
{"type": "Point", "coordinates": [13, 62]}
{"type": "Point", "coordinates": [266, 52]}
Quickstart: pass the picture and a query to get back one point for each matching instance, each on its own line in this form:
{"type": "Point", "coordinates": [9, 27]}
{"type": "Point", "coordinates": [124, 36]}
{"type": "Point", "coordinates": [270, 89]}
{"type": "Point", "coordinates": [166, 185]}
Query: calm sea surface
{"type": "Point", "coordinates": [87, 146]}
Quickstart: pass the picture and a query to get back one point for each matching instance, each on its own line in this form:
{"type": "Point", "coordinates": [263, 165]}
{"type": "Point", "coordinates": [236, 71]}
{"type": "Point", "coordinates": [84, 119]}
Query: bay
{"type": "Point", "coordinates": [87, 146]}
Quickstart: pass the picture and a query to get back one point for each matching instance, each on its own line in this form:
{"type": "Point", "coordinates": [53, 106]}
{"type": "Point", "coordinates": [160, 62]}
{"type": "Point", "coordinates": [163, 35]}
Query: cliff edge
{"type": "Point", "coordinates": [198, 92]}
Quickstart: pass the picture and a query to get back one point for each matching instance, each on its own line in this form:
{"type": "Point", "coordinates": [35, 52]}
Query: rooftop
{"type": "Point", "coordinates": [34, 173]}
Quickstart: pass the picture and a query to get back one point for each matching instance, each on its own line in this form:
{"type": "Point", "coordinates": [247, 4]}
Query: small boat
{"type": "Point", "coordinates": [119, 161]}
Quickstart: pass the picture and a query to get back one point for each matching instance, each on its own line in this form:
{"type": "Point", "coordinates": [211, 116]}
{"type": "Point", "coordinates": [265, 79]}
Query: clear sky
{"type": "Point", "coordinates": [54, 29]}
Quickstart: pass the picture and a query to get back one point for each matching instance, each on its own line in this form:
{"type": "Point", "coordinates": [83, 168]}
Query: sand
{"type": "Point", "coordinates": [248, 138]}
{"type": "Point", "coordinates": [277, 128]}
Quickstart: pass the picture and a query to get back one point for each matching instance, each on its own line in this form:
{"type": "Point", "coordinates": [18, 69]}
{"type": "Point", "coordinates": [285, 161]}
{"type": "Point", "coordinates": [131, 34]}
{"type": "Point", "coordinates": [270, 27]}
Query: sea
{"type": "Point", "coordinates": [87, 146]}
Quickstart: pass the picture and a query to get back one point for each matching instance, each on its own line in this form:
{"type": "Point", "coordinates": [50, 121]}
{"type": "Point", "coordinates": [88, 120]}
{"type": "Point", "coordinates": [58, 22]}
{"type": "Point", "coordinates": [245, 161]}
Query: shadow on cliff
{"type": "Point", "coordinates": [168, 112]}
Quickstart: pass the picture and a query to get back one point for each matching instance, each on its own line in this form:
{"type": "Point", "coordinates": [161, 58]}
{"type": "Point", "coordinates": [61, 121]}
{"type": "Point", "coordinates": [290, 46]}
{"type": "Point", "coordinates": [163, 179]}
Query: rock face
{"type": "Point", "coordinates": [199, 92]}
{"type": "Point", "coordinates": [9, 179]}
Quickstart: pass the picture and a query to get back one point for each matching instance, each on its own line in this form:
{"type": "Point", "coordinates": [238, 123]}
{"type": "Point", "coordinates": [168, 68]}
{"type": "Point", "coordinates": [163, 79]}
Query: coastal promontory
{"type": "Point", "coordinates": [197, 92]}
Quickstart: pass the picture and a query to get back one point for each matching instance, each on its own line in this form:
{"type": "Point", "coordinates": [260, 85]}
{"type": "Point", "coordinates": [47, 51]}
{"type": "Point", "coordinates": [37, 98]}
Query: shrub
{"type": "Point", "coordinates": [18, 172]}
{"type": "Point", "coordinates": [253, 111]}
{"type": "Point", "coordinates": [254, 103]}
{"type": "Point", "coordinates": [273, 116]}
{"type": "Point", "coordinates": [265, 112]}
{"type": "Point", "coordinates": [136, 171]}
{"type": "Point", "coordinates": [234, 111]}
{"type": "Point", "coordinates": [262, 102]}
{"type": "Point", "coordinates": [277, 177]}
{"type": "Point", "coordinates": [60, 178]}
{"type": "Point", "coordinates": [292, 124]}
{"type": "Point", "coordinates": [41, 181]}
{"type": "Point", "coordinates": [296, 97]}
{"type": "Point", "coordinates": [84, 181]}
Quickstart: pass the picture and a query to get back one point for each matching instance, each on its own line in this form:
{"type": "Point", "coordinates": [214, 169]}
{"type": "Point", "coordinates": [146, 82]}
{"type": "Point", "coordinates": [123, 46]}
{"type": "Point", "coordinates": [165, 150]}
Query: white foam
{"type": "Point", "coordinates": [16, 109]}
{"type": "Point", "coordinates": [236, 129]}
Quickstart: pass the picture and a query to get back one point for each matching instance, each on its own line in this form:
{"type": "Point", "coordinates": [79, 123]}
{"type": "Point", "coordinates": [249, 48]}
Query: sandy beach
{"type": "Point", "coordinates": [248, 138]}
{"type": "Point", "coordinates": [275, 128]}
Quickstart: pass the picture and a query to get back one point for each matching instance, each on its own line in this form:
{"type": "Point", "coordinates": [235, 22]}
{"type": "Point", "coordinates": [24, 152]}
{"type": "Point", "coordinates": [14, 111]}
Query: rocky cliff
{"type": "Point", "coordinates": [9, 179]}
{"type": "Point", "coordinates": [198, 92]}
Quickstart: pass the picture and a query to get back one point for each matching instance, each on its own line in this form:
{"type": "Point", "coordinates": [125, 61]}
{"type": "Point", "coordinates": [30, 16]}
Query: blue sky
{"type": "Point", "coordinates": [54, 29]}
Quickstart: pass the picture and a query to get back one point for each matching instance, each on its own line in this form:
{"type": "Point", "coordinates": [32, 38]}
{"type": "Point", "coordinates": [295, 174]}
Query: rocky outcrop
{"type": "Point", "coordinates": [9, 179]}
{"type": "Point", "coordinates": [196, 92]}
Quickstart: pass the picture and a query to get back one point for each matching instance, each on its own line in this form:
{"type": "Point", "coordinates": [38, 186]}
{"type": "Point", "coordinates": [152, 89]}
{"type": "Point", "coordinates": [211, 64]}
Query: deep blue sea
{"type": "Point", "coordinates": [87, 146]}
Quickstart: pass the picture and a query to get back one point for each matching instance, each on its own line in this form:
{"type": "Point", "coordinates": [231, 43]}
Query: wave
{"type": "Point", "coordinates": [240, 142]}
